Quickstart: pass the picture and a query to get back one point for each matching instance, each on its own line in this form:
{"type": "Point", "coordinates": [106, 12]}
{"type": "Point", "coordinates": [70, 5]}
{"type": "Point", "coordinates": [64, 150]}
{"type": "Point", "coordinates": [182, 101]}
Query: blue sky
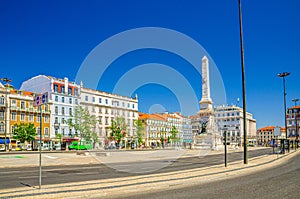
{"type": "Point", "coordinates": [54, 38]}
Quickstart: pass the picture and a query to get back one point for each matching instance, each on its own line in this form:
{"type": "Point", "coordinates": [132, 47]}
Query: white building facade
{"type": "Point", "coordinates": [106, 107]}
{"type": "Point", "coordinates": [229, 119]}
{"type": "Point", "coordinates": [63, 98]}
{"type": "Point", "coordinates": [184, 129]}
{"type": "Point", "coordinates": [291, 119]}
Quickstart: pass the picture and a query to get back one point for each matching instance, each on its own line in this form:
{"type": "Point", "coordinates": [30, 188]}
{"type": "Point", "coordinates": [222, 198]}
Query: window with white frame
{"type": "Point", "coordinates": [2, 100]}
{"type": "Point", "coordinates": [1, 115]}
{"type": "Point", "coordinates": [22, 117]}
{"type": "Point", "coordinates": [31, 118]}
{"type": "Point", "coordinates": [13, 116]}
{"type": "Point", "coordinates": [46, 119]}
{"type": "Point", "coordinates": [38, 118]}
{"type": "Point", "coordinates": [46, 130]}
{"type": "Point", "coordinates": [1, 127]}
{"type": "Point", "coordinates": [13, 103]}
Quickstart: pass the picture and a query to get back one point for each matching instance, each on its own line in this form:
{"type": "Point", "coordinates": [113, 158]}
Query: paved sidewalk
{"type": "Point", "coordinates": [9, 160]}
{"type": "Point", "coordinates": [124, 186]}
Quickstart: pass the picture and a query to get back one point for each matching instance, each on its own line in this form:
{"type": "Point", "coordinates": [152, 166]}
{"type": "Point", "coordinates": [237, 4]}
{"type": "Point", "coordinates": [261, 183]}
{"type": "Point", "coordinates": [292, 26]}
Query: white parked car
{"type": "Point", "coordinates": [57, 147]}
{"type": "Point", "coordinates": [28, 147]}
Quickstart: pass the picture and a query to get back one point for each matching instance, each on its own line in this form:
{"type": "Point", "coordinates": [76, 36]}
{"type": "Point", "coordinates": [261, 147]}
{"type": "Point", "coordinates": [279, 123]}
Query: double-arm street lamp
{"type": "Point", "coordinates": [283, 75]}
{"type": "Point", "coordinates": [295, 114]}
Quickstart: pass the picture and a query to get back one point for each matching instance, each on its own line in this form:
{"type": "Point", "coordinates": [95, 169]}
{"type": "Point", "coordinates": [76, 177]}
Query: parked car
{"type": "Point", "coordinates": [28, 147]}
{"type": "Point", "coordinates": [19, 148]}
{"type": "Point", "coordinates": [57, 147]}
{"type": "Point", "coordinates": [112, 147]}
{"type": "Point", "coordinates": [83, 145]}
{"type": "Point", "coordinates": [45, 147]}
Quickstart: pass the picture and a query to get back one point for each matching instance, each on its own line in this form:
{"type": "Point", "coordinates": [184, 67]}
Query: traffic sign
{"type": "Point", "coordinates": [41, 99]}
{"type": "Point", "coordinates": [277, 131]}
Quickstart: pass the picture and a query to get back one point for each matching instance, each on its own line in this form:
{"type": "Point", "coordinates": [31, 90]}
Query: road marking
{"type": "Point", "coordinates": [50, 157]}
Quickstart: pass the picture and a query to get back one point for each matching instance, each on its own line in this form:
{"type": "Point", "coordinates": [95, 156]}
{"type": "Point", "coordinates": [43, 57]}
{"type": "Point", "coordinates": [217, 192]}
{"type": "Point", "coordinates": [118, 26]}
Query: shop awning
{"type": "Point", "coordinates": [2, 141]}
{"type": "Point", "coordinates": [46, 139]}
{"type": "Point", "coordinates": [69, 139]}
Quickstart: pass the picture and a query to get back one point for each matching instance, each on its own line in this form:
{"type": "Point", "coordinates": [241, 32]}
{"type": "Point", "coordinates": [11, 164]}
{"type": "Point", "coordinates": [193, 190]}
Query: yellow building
{"type": "Point", "coordinates": [21, 110]}
{"type": "Point", "coordinates": [3, 116]}
{"type": "Point", "coordinates": [155, 128]}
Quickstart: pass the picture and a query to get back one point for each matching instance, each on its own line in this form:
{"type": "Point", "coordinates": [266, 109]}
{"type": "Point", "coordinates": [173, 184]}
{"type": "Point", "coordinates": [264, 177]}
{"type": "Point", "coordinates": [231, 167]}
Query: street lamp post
{"type": "Point", "coordinates": [296, 113]}
{"type": "Point", "coordinates": [243, 84]}
{"type": "Point", "coordinates": [283, 75]}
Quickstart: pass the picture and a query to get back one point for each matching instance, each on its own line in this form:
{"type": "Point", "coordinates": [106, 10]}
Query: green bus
{"type": "Point", "coordinates": [83, 145]}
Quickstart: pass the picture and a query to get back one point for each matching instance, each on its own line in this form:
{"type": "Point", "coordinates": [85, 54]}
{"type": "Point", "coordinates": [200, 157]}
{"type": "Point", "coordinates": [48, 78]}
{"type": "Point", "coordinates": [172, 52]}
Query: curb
{"type": "Point", "coordinates": [130, 185]}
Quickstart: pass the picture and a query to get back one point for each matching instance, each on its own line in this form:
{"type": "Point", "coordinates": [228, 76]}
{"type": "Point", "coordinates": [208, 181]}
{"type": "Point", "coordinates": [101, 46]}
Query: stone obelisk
{"type": "Point", "coordinates": [206, 101]}
{"type": "Point", "coordinates": [208, 136]}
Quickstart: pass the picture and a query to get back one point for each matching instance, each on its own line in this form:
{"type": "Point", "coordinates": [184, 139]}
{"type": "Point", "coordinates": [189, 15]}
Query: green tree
{"type": "Point", "coordinates": [24, 132]}
{"type": "Point", "coordinates": [84, 123]}
{"type": "Point", "coordinates": [139, 130]}
{"type": "Point", "coordinates": [162, 141]}
{"type": "Point", "coordinates": [118, 129]}
{"type": "Point", "coordinates": [169, 140]}
{"type": "Point", "coordinates": [174, 133]}
{"type": "Point", "coordinates": [59, 137]}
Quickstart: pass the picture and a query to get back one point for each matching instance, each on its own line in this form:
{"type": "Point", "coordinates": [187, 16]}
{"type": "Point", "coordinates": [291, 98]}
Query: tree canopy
{"type": "Point", "coordinates": [139, 130]}
{"type": "Point", "coordinates": [24, 132]}
{"type": "Point", "coordinates": [118, 128]}
{"type": "Point", "coordinates": [84, 123]}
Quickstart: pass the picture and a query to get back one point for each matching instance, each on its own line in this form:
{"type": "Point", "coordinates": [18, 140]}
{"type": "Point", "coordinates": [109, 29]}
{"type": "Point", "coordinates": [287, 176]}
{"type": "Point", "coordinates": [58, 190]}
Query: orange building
{"type": "Point", "coordinates": [21, 109]}
{"type": "Point", "coordinates": [266, 134]}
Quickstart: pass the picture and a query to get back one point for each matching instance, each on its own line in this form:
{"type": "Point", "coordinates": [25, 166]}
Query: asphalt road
{"type": "Point", "coordinates": [281, 181]}
{"type": "Point", "coordinates": [28, 176]}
